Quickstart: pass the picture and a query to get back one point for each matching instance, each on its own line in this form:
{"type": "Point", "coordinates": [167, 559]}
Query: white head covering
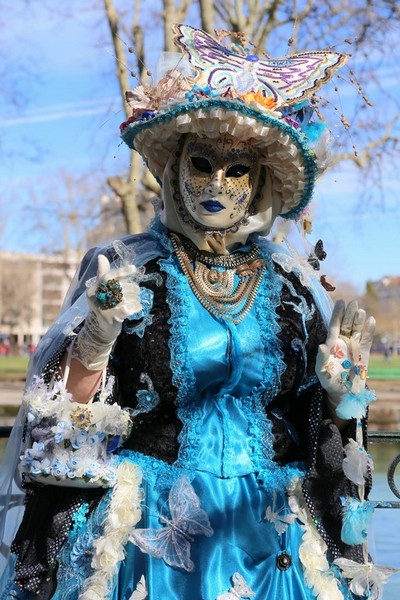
{"type": "Point", "coordinates": [260, 222]}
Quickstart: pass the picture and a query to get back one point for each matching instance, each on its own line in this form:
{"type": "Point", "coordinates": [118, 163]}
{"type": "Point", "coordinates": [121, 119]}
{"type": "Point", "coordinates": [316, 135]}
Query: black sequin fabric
{"type": "Point", "coordinates": [46, 522]}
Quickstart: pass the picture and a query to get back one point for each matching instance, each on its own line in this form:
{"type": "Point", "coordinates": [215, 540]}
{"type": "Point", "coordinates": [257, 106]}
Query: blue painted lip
{"type": "Point", "coordinates": [212, 205]}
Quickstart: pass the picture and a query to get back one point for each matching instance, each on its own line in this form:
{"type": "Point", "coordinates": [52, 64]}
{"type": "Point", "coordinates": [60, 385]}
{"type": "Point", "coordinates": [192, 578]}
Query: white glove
{"type": "Point", "coordinates": [102, 326]}
{"type": "Point", "coordinates": [342, 362]}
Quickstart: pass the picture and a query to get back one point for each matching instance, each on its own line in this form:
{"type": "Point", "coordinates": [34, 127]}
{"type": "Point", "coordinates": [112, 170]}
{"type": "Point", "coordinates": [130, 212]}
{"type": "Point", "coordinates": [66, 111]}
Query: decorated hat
{"type": "Point", "coordinates": [232, 90]}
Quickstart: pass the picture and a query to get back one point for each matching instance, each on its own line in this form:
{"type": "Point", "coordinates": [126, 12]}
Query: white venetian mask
{"type": "Point", "coordinates": [218, 180]}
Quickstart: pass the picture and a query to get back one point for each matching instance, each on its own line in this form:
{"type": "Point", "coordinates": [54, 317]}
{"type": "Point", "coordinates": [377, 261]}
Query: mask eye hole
{"type": "Point", "coordinates": [201, 164]}
{"type": "Point", "coordinates": [237, 170]}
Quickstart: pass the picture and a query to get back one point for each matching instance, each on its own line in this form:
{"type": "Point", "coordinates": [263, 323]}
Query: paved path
{"type": "Point", "coordinates": [11, 393]}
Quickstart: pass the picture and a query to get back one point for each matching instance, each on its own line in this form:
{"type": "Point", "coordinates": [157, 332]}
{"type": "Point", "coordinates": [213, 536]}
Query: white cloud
{"type": "Point", "coordinates": [60, 112]}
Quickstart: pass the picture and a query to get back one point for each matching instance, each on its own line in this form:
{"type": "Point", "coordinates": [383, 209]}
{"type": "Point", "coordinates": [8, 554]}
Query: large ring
{"type": "Point", "coordinates": [109, 293]}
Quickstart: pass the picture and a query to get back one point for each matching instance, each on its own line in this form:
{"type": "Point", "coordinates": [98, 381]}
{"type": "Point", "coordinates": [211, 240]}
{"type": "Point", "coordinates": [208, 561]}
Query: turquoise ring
{"type": "Point", "coordinates": [109, 293]}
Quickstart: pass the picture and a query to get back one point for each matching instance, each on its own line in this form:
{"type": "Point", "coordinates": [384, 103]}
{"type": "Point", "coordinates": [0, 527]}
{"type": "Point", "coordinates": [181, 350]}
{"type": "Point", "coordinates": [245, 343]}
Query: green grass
{"type": "Point", "coordinates": [13, 368]}
{"type": "Point", "coordinates": [382, 368]}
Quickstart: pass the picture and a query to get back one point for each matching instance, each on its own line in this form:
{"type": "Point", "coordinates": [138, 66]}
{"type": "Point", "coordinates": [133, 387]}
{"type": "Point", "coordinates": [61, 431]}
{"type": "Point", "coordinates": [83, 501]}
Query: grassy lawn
{"type": "Point", "coordinates": [383, 368]}
{"type": "Point", "coordinates": [13, 368]}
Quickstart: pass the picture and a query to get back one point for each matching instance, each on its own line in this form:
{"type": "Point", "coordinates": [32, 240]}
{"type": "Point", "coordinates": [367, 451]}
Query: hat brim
{"type": "Point", "coordinates": [283, 149]}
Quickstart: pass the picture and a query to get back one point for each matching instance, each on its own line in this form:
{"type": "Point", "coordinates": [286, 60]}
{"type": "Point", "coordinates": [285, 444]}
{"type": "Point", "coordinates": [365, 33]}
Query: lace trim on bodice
{"type": "Point", "coordinates": [253, 406]}
{"type": "Point", "coordinates": [268, 299]}
{"type": "Point", "coordinates": [178, 293]}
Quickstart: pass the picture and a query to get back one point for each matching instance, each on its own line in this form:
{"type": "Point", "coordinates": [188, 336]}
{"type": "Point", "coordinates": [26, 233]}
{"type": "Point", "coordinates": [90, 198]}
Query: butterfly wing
{"type": "Point", "coordinates": [170, 545]}
{"type": "Point", "coordinates": [217, 66]}
{"type": "Point", "coordinates": [166, 543]}
{"type": "Point", "coordinates": [151, 541]}
{"type": "Point", "coordinates": [325, 284]}
{"type": "Point", "coordinates": [177, 553]}
{"type": "Point", "coordinates": [186, 513]}
{"type": "Point", "coordinates": [270, 515]}
{"type": "Point", "coordinates": [240, 587]}
{"type": "Point", "coordinates": [140, 593]}
{"type": "Point", "coordinates": [280, 522]}
{"type": "Point", "coordinates": [283, 522]}
{"type": "Point", "coordinates": [298, 76]}
{"type": "Point", "coordinates": [319, 250]}
{"type": "Point", "coordinates": [204, 51]}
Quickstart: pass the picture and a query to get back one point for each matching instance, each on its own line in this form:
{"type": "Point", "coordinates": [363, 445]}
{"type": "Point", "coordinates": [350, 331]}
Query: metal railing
{"type": "Point", "coordinates": [388, 437]}
{"type": "Point", "coordinates": [5, 431]}
{"type": "Point", "coordinates": [374, 437]}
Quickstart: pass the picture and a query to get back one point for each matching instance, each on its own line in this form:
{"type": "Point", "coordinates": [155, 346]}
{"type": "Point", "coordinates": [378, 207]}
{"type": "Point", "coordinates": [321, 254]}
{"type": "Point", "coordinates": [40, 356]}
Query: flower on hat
{"type": "Point", "coordinates": [259, 98]}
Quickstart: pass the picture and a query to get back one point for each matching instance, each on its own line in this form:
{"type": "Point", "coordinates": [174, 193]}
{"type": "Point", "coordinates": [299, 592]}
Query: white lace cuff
{"type": "Point", "coordinates": [92, 348]}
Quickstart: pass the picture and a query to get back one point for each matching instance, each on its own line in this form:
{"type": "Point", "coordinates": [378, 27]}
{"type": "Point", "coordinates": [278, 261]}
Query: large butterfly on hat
{"type": "Point", "coordinates": [287, 80]}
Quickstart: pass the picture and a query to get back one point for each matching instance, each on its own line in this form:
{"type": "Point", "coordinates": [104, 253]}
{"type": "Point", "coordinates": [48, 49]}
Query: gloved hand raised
{"type": "Point", "coordinates": [112, 297]}
{"type": "Point", "coordinates": [342, 362]}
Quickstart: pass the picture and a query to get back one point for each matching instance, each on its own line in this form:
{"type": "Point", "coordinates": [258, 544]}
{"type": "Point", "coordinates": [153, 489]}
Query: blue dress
{"type": "Point", "coordinates": [225, 374]}
{"type": "Point", "coordinates": [247, 538]}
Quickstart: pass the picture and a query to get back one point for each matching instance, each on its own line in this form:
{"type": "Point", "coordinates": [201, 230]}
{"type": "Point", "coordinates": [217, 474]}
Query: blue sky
{"type": "Point", "coordinates": [60, 112]}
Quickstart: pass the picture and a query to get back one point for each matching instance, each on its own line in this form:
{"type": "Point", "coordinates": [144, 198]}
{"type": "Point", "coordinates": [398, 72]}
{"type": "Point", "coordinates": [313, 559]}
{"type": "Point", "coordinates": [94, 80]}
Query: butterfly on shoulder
{"type": "Point", "coordinates": [317, 255]}
{"type": "Point", "coordinates": [173, 541]}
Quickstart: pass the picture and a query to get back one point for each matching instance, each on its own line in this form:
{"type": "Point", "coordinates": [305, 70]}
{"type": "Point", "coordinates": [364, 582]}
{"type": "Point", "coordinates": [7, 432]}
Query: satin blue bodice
{"type": "Point", "coordinates": [227, 362]}
{"type": "Point", "coordinates": [225, 375]}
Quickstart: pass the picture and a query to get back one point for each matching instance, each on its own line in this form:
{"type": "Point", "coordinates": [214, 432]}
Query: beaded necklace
{"type": "Point", "coordinates": [213, 282]}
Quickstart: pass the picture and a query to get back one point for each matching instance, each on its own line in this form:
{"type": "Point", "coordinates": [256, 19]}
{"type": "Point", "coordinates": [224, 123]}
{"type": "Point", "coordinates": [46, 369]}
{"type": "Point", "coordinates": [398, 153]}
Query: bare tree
{"type": "Point", "coordinates": [135, 189]}
{"type": "Point", "coordinates": [74, 207]}
{"type": "Point", "coordinates": [366, 29]}
{"type": "Point", "coordinates": [17, 288]}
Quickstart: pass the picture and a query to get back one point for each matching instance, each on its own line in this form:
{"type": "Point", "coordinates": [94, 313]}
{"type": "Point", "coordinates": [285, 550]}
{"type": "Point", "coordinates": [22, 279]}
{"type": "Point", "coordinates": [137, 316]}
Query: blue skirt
{"type": "Point", "coordinates": [243, 542]}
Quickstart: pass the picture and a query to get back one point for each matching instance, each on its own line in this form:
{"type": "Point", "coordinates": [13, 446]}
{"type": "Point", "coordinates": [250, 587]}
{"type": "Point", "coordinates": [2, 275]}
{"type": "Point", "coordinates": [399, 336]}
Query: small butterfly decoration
{"type": "Point", "coordinates": [173, 541]}
{"type": "Point", "coordinates": [279, 519]}
{"type": "Point", "coordinates": [239, 590]}
{"type": "Point", "coordinates": [287, 80]}
{"type": "Point", "coordinates": [357, 462]}
{"type": "Point", "coordinates": [337, 351]}
{"type": "Point", "coordinates": [325, 284]}
{"type": "Point", "coordinates": [366, 579]}
{"type": "Point", "coordinates": [140, 593]}
{"type": "Point", "coordinates": [316, 255]}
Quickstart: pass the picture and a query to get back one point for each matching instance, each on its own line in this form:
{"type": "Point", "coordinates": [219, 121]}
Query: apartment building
{"type": "Point", "coordinates": [33, 287]}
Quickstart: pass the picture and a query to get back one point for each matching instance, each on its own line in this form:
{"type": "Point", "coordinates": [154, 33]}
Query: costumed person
{"type": "Point", "coordinates": [195, 420]}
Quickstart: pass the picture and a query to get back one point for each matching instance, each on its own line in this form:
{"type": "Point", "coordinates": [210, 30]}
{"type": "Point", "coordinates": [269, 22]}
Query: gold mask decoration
{"type": "Point", "coordinates": [218, 179]}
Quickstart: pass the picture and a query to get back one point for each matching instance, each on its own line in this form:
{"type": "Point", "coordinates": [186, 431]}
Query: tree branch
{"type": "Point", "coordinates": [207, 15]}
{"type": "Point", "coordinates": [122, 73]}
{"type": "Point", "coordinates": [364, 158]}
